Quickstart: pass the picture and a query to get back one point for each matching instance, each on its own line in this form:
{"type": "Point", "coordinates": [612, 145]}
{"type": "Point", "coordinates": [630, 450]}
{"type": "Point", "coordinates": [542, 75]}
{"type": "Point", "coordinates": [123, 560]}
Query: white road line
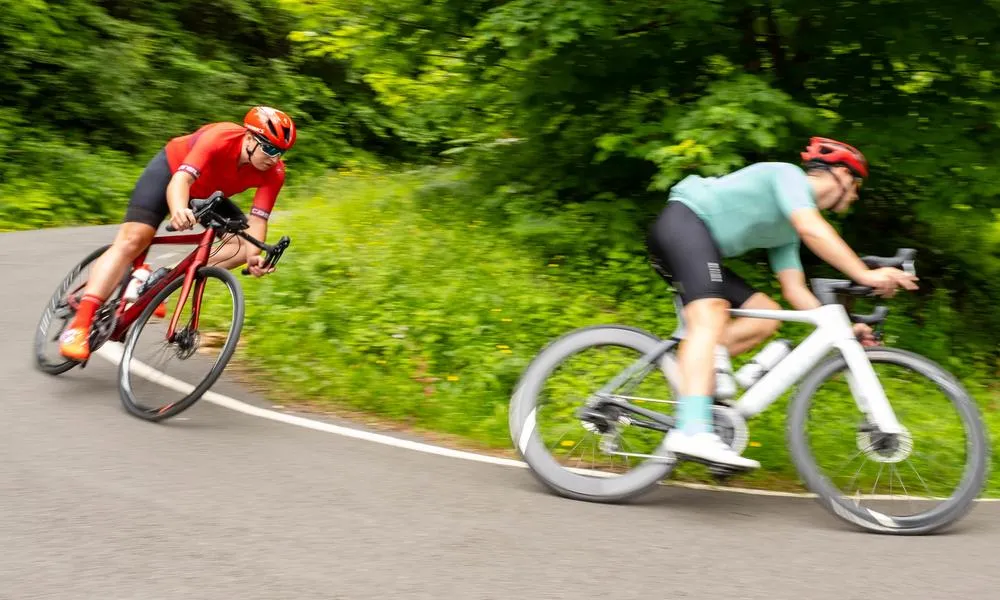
{"type": "Point", "coordinates": [113, 353]}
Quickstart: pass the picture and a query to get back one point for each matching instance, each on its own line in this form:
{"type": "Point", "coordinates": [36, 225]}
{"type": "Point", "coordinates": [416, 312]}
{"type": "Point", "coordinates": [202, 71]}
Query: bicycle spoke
{"type": "Point", "coordinates": [855, 478]}
{"type": "Point", "coordinates": [877, 477]}
{"type": "Point", "coordinates": [905, 491]}
{"type": "Point", "coordinates": [915, 472]}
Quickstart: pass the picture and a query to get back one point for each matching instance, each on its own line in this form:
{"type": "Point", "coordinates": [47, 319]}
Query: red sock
{"type": "Point", "coordinates": [85, 314]}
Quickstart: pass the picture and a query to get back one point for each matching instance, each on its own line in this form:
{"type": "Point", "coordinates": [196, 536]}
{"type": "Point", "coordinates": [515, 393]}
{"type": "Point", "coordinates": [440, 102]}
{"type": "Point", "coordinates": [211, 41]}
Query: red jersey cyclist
{"type": "Point", "coordinates": [224, 157]}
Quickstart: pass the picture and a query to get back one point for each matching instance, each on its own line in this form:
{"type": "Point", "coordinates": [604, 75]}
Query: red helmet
{"type": "Point", "coordinates": [273, 125]}
{"type": "Point", "coordinates": [833, 152]}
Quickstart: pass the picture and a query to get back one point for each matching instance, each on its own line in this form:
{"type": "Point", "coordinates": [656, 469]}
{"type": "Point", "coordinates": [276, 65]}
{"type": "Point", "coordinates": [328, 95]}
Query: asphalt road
{"type": "Point", "coordinates": [97, 504]}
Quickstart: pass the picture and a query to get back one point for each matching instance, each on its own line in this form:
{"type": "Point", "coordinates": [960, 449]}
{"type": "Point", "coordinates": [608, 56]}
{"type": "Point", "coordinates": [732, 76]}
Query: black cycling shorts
{"type": "Point", "coordinates": [149, 197]}
{"type": "Point", "coordinates": [682, 251]}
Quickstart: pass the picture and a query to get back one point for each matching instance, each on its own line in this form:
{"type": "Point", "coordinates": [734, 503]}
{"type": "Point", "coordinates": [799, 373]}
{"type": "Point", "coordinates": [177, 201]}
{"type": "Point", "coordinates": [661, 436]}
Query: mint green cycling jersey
{"type": "Point", "coordinates": [750, 209]}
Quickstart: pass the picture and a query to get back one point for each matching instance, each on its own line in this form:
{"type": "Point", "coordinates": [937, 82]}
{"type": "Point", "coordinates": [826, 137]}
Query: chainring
{"type": "Point", "coordinates": [731, 427]}
{"type": "Point", "coordinates": [105, 321]}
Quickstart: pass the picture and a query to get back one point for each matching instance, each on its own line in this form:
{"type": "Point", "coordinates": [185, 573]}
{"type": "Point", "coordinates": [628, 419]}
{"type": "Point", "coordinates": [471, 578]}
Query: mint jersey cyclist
{"type": "Point", "coordinates": [774, 206]}
{"type": "Point", "coordinates": [225, 157]}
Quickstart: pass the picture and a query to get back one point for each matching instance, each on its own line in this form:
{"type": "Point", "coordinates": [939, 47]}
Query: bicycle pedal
{"type": "Point", "coordinates": [721, 478]}
{"type": "Point", "coordinates": [720, 473]}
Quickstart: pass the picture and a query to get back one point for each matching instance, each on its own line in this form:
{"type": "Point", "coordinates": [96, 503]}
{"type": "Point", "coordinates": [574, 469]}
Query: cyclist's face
{"type": "Point", "coordinates": [853, 186]}
{"type": "Point", "coordinates": [260, 159]}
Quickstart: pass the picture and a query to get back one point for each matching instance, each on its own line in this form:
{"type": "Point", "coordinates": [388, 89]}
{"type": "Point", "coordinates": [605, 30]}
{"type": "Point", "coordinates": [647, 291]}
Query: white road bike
{"type": "Point", "coordinates": [605, 447]}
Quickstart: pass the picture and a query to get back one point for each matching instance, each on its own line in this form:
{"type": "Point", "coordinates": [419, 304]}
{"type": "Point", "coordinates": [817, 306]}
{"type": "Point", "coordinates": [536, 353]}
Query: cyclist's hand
{"type": "Point", "coordinates": [865, 334]}
{"type": "Point", "coordinates": [183, 219]}
{"type": "Point", "coordinates": [255, 265]}
{"type": "Point", "coordinates": [885, 280]}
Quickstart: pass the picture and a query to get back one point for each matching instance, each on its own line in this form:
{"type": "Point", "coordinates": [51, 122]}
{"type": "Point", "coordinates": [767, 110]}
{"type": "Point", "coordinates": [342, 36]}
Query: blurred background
{"type": "Point", "coordinates": [473, 178]}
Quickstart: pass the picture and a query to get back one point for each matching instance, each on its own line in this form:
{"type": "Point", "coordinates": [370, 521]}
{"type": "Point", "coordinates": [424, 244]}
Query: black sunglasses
{"type": "Point", "coordinates": [268, 148]}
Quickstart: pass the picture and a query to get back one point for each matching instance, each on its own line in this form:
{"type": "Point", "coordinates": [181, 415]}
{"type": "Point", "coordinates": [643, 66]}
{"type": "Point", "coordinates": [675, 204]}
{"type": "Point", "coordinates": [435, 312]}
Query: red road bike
{"type": "Point", "coordinates": [180, 337]}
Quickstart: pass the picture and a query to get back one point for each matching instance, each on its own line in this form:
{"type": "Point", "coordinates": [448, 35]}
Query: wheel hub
{"type": "Point", "coordinates": [885, 447]}
{"type": "Point", "coordinates": [187, 342]}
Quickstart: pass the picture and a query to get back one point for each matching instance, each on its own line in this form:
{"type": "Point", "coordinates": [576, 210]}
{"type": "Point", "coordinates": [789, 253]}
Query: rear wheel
{"type": "Point", "coordinates": [611, 463]}
{"type": "Point", "coordinates": [160, 377]}
{"type": "Point", "coordinates": [58, 313]}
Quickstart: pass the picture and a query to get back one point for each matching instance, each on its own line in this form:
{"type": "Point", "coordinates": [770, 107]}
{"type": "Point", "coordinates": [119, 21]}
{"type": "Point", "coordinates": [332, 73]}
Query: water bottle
{"type": "Point", "coordinates": [139, 277]}
{"type": "Point", "coordinates": [152, 279]}
{"type": "Point", "coordinates": [764, 361]}
{"type": "Point", "coordinates": [725, 387]}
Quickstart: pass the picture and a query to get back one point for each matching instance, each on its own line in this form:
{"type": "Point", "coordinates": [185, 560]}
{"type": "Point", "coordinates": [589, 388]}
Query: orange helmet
{"type": "Point", "coordinates": [273, 125]}
{"type": "Point", "coordinates": [833, 152]}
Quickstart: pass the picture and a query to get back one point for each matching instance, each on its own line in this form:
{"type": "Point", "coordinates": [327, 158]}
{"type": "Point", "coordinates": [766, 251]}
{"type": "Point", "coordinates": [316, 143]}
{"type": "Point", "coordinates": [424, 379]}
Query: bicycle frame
{"type": "Point", "coordinates": [187, 268]}
{"type": "Point", "coordinates": [833, 332]}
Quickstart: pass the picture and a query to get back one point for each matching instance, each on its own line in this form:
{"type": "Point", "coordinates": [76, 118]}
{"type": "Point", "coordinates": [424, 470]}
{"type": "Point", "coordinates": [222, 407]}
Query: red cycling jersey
{"type": "Point", "coordinates": [212, 155]}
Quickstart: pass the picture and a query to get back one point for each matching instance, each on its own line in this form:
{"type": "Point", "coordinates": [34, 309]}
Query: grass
{"type": "Point", "coordinates": [399, 299]}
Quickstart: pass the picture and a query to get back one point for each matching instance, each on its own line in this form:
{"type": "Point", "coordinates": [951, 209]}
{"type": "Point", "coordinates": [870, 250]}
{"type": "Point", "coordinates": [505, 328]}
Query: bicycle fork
{"type": "Point", "coordinates": [867, 390]}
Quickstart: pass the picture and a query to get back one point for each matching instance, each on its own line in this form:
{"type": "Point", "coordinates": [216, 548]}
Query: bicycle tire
{"type": "Point", "coordinates": [528, 442]}
{"type": "Point", "coordinates": [126, 392]}
{"type": "Point", "coordinates": [42, 329]}
{"type": "Point", "coordinates": [973, 477]}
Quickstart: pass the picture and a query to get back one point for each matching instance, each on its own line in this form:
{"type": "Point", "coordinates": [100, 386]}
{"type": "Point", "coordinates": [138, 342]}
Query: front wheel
{"type": "Point", "coordinates": [912, 483]}
{"type": "Point", "coordinates": [160, 377]}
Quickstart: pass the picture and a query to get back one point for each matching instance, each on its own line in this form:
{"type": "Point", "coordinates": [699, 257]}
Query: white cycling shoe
{"type": "Point", "coordinates": [707, 447]}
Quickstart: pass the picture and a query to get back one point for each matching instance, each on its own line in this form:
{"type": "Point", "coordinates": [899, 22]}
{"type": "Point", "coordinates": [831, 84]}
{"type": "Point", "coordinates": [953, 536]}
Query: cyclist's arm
{"type": "Point", "coordinates": [258, 229]}
{"type": "Point", "coordinates": [795, 290]}
{"type": "Point", "coordinates": [786, 264]}
{"type": "Point", "coordinates": [826, 243]}
{"type": "Point", "coordinates": [179, 191]}
{"type": "Point", "coordinates": [263, 203]}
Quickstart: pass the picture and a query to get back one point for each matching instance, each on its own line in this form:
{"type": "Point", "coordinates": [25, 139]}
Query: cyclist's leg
{"type": "Point", "coordinates": [683, 252]}
{"type": "Point", "coordinates": [682, 249]}
{"type": "Point", "coordinates": [146, 210]}
{"type": "Point", "coordinates": [706, 320]}
{"type": "Point", "coordinates": [133, 237]}
{"type": "Point", "coordinates": [744, 333]}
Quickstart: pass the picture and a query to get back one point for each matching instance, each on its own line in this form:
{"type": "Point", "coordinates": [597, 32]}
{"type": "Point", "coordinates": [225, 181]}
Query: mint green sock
{"type": "Point", "coordinates": [695, 414]}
